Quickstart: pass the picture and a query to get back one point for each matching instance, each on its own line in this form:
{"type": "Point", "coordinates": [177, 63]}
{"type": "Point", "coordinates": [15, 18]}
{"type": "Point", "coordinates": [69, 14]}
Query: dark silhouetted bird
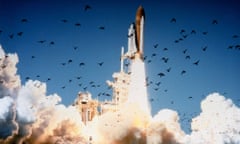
{"type": "Point", "coordinates": [184, 51]}
{"type": "Point", "coordinates": [161, 74]}
{"type": "Point", "coordinates": [41, 41]}
{"type": "Point", "coordinates": [19, 33]}
{"type": "Point", "coordinates": [165, 59]}
{"type": "Point", "coordinates": [204, 48]}
{"type": "Point", "coordinates": [168, 70]}
{"type": "Point", "coordinates": [173, 20]}
{"type": "Point", "coordinates": [165, 49]}
{"type": "Point", "coordinates": [193, 32]}
{"type": "Point", "coordinates": [101, 28]}
{"type": "Point", "coordinates": [230, 47]}
{"type": "Point", "coordinates": [235, 36]}
{"type": "Point", "coordinates": [100, 63]}
{"type": "Point", "coordinates": [158, 83]}
{"type": "Point", "coordinates": [24, 20]}
{"type": "Point", "coordinates": [11, 36]}
{"type": "Point", "coordinates": [185, 36]}
{"type": "Point", "coordinates": [154, 54]}
{"type": "Point", "coordinates": [205, 33]}
{"type": "Point", "coordinates": [70, 61]}
{"type": "Point", "coordinates": [182, 31]}
{"type": "Point", "coordinates": [187, 57]}
{"type": "Point", "coordinates": [214, 21]}
{"type": "Point", "coordinates": [52, 43]}
{"type": "Point", "coordinates": [87, 7]}
{"type": "Point", "coordinates": [196, 63]}
{"type": "Point", "coordinates": [64, 20]}
{"type": "Point", "coordinates": [77, 24]}
{"type": "Point", "coordinates": [183, 72]}
{"type": "Point", "coordinates": [155, 46]}
{"type": "Point", "coordinates": [82, 64]}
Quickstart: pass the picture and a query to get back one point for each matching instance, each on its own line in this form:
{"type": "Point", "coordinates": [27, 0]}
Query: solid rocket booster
{"type": "Point", "coordinates": [140, 16]}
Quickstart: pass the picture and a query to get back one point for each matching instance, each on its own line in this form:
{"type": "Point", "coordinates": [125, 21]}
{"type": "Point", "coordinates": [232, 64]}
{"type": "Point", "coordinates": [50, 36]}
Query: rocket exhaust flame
{"type": "Point", "coordinates": [29, 116]}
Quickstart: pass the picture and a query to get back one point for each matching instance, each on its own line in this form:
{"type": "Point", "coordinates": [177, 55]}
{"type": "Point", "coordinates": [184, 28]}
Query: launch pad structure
{"type": "Point", "coordinates": [129, 85]}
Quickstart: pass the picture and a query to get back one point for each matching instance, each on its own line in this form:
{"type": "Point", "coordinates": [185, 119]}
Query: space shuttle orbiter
{"type": "Point", "coordinates": [135, 36]}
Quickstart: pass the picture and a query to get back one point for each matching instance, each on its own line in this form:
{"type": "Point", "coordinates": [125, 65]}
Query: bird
{"type": "Point", "coordinates": [155, 46]}
{"type": "Point", "coordinates": [230, 47]}
{"type": "Point", "coordinates": [173, 20]}
{"type": "Point", "coordinates": [78, 77]}
{"type": "Point", "coordinates": [70, 61]}
{"type": "Point", "coordinates": [52, 43]}
{"type": "Point", "coordinates": [154, 54]}
{"type": "Point", "coordinates": [235, 36]}
{"type": "Point", "coordinates": [187, 57]}
{"type": "Point", "coordinates": [75, 48]}
{"type": "Point", "coordinates": [165, 59]}
{"type": "Point", "coordinates": [87, 7]}
{"type": "Point", "coordinates": [64, 20]}
{"type": "Point", "coordinates": [101, 28]}
{"type": "Point", "coordinates": [158, 83]}
{"type": "Point", "coordinates": [161, 74]}
{"type": "Point", "coordinates": [11, 36]}
{"type": "Point", "coordinates": [165, 49]}
{"type": "Point", "coordinates": [196, 63]}
{"type": "Point", "coordinates": [41, 41]}
{"type": "Point", "coordinates": [19, 33]}
{"type": "Point", "coordinates": [183, 72]}
{"type": "Point", "coordinates": [168, 70]}
{"type": "Point", "coordinates": [205, 33]}
{"type": "Point", "coordinates": [63, 64]}
{"type": "Point", "coordinates": [185, 36]}
{"type": "Point", "coordinates": [182, 31]}
{"type": "Point", "coordinates": [100, 63]}
{"type": "Point", "coordinates": [204, 48]}
{"type": "Point", "coordinates": [184, 51]}
{"type": "Point", "coordinates": [77, 24]}
{"type": "Point", "coordinates": [24, 20]}
{"type": "Point", "coordinates": [193, 32]}
{"type": "Point", "coordinates": [81, 64]}
{"type": "Point", "coordinates": [214, 21]}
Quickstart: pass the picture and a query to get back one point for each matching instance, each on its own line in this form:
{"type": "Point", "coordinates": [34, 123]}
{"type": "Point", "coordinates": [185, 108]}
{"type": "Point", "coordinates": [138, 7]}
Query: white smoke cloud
{"type": "Point", "coordinates": [28, 115]}
{"type": "Point", "coordinates": [219, 122]}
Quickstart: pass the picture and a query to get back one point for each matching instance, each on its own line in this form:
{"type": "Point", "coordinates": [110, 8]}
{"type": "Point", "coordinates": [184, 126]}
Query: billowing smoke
{"type": "Point", "coordinates": [28, 115]}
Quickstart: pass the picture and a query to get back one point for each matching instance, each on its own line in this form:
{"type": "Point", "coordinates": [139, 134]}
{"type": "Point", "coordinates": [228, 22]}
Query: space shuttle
{"type": "Point", "coordinates": [135, 36]}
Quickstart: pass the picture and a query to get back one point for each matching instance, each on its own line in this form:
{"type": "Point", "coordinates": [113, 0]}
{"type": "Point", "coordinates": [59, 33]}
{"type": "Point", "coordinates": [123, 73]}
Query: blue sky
{"type": "Point", "coordinates": [181, 89]}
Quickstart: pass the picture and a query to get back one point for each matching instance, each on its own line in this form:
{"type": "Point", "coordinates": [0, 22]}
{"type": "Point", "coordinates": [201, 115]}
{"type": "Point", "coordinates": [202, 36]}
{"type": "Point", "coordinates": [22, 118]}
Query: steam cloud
{"type": "Point", "coordinates": [28, 115]}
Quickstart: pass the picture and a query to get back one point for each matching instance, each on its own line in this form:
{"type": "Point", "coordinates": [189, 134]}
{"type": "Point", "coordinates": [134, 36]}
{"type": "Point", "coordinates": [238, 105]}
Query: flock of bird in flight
{"type": "Point", "coordinates": [148, 59]}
